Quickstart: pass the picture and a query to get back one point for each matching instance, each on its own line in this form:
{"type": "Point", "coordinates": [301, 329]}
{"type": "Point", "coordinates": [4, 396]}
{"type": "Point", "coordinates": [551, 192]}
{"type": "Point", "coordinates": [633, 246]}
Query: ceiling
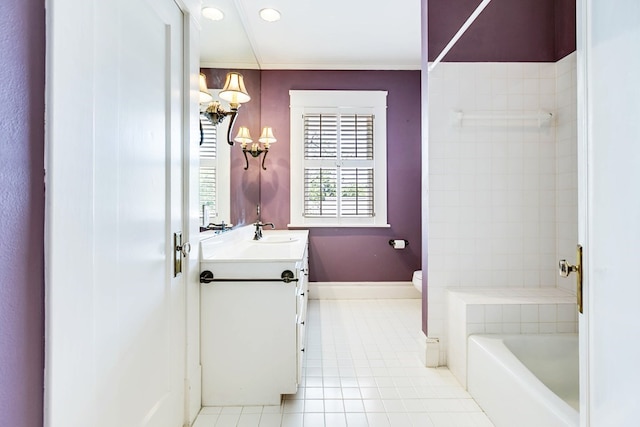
{"type": "Point", "coordinates": [313, 34]}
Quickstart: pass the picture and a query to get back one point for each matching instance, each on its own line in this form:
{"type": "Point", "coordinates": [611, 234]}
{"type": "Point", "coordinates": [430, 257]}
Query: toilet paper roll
{"type": "Point", "coordinates": [399, 244]}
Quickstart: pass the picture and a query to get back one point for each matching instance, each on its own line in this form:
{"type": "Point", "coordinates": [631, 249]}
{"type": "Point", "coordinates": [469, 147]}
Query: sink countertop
{"type": "Point", "coordinates": [239, 246]}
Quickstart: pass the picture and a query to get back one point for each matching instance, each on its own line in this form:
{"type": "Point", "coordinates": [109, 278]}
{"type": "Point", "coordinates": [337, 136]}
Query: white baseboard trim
{"type": "Point", "coordinates": [363, 290]}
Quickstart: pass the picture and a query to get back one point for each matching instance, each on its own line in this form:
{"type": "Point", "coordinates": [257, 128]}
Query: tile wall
{"type": "Point", "coordinates": [504, 311]}
{"type": "Point", "coordinates": [501, 207]}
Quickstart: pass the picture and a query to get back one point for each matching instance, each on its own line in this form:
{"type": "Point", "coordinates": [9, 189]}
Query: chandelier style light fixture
{"type": "Point", "coordinates": [255, 149]}
{"type": "Point", "coordinates": [234, 92]}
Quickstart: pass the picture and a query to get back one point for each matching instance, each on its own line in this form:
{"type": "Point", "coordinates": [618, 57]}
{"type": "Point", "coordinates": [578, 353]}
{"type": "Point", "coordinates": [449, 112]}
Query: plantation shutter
{"type": "Point", "coordinates": [208, 166]}
{"type": "Point", "coordinates": [338, 165]}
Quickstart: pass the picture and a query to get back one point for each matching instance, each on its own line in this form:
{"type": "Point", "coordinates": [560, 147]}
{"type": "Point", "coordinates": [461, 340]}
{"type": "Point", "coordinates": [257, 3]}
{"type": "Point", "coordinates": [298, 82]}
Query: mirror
{"type": "Point", "coordinates": [225, 47]}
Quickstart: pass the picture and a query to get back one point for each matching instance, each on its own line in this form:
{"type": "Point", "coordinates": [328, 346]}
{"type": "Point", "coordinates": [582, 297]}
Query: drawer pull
{"type": "Point", "coordinates": [206, 277]}
{"type": "Point", "coordinates": [287, 276]}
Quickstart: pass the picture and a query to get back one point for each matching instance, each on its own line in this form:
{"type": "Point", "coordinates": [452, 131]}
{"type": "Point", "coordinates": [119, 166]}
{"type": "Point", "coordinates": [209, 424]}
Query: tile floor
{"type": "Point", "coordinates": [362, 369]}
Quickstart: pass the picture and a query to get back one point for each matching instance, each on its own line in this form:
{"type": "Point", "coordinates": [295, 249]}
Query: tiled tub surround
{"type": "Point", "coordinates": [502, 195]}
{"type": "Point", "coordinates": [504, 311]}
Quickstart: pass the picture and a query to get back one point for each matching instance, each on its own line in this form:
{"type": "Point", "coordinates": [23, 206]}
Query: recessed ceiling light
{"type": "Point", "coordinates": [212, 13]}
{"type": "Point", "coordinates": [270, 15]}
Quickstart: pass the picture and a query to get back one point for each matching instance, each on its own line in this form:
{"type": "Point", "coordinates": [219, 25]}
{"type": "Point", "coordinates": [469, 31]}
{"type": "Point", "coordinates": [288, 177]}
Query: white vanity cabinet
{"type": "Point", "coordinates": [253, 321]}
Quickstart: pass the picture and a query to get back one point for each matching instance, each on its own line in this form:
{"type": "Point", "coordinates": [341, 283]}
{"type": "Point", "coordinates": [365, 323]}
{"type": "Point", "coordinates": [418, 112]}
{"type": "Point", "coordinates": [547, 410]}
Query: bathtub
{"type": "Point", "coordinates": [525, 380]}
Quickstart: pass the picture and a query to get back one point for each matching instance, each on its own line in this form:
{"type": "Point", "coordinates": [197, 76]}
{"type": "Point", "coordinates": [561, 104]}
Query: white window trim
{"type": "Point", "coordinates": [368, 101]}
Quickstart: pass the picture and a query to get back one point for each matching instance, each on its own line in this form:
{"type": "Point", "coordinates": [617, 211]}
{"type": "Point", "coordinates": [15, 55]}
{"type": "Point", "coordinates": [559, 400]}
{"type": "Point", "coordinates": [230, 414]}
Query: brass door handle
{"type": "Point", "coordinates": [565, 269]}
{"type": "Point", "coordinates": [180, 251]}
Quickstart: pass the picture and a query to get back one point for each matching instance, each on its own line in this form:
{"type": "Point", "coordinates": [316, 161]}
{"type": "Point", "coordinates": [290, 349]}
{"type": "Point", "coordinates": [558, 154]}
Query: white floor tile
{"type": "Point", "coordinates": [314, 393]}
{"type": "Point", "coordinates": [227, 420]}
{"type": "Point", "coordinates": [362, 369]}
{"type": "Point", "coordinates": [399, 419]}
{"type": "Point", "coordinates": [313, 406]}
{"type": "Point", "coordinates": [420, 419]}
{"type": "Point", "coordinates": [293, 406]}
{"type": "Point", "coordinates": [249, 420]}
{"type": "Point", "coordinates": [335, 420]}
{"type": "Point", "coordinates": [292, 420]}
{"type": "Point", "coordinates": [333, 406]}
{"type": "Point", "coordinates": [272, 409]}
{"type": "Point", "coordinates": [211, 410]}
{"type": "Point", "coordinates": [226, 410]}
{"type": "Point", "coordinates": [357, 420]}
{"type": "Point", "coordinates": [378, 420]}
{"type": "Point", "coordinates": [270, 420]}
{"type": "Point", "coordinates": [206, 420]}
{"type": "Point", "coordinates": [372, 405]}
{"type": "Point", "coordinates": [353, 406]}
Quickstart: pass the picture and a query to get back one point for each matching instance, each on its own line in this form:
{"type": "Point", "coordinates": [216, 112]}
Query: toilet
{"type": "Point", "coordinates": [417, 280]}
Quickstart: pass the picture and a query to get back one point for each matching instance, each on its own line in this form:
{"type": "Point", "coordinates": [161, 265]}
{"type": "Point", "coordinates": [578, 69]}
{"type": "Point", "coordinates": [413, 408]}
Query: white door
{"type": "Point", "coordinates": [115, 312]}
{"type": "Point", "coordinates": [609, 182]}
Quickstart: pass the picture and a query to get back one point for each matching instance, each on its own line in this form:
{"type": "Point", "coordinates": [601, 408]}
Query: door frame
{"type": "Point", "coordinates": [191, 231]}
{"type": "Point", "coordinates": [583, 137]}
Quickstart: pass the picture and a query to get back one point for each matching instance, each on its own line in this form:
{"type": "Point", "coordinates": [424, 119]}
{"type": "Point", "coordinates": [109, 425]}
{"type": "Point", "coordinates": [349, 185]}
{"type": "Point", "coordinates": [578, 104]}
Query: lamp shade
{"type": "Point", "coordinates": [266, 137]}
{"type": "Point", "coordinates": [234, 91]}
{"type": "Point", "coordinates": [205, 96]}
{"type": "Point", "coordinates": [243, 136]}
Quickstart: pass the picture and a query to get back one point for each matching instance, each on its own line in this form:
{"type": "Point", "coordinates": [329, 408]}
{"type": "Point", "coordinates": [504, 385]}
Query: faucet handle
{"type": "Point", "coordinates": [262, 224]}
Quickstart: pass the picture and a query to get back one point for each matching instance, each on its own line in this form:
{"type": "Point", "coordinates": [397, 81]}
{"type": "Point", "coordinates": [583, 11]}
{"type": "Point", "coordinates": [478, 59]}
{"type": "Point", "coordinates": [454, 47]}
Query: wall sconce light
{"type": "Point", "coordinates": [255, 149]}
{"type": "Point", "coordinates": [205, 96]}
{"type": "Point", "coordinates": [233, 92]}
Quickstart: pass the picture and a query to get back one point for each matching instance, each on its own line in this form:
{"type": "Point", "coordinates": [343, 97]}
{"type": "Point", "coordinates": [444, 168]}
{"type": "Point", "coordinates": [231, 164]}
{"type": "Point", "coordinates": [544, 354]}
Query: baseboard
{"type": "Point", "coordinates": [362, 290]}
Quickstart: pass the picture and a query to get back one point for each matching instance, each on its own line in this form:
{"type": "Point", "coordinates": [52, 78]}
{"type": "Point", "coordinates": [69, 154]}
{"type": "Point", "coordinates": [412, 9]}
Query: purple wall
{"type": "Point", "coordinates": [506, 31]}
{"type": "Point", "coordinates": [565, 28]}
{"type": "Point", "coordinates": [22, 43]}
{"type": "Point", "coordinates": [352, 254]}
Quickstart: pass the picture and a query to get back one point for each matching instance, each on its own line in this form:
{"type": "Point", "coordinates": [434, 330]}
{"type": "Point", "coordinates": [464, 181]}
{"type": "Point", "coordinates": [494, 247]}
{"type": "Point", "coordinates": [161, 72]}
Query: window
{"type": "Point", "coordinates": [214, 173]}
{"type": "Point", "coordinates": [338, 158]}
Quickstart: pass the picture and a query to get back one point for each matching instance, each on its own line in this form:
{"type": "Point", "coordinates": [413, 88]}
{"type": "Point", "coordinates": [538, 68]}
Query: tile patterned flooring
{"type": "Point", "coordinates": [362, 369]}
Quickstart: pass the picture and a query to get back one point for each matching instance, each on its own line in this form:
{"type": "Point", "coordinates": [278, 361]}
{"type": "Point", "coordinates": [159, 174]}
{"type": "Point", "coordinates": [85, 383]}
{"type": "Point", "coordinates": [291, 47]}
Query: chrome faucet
{"type": "Point", "coordinates": [222, 227]}
{"type": "Point", "coordinates": [259, 225]}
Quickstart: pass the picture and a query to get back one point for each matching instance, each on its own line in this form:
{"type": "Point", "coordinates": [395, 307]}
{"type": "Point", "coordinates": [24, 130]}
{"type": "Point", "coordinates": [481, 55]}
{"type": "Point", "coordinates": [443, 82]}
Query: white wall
{"type": "Point", "coordinates": [501, 205]}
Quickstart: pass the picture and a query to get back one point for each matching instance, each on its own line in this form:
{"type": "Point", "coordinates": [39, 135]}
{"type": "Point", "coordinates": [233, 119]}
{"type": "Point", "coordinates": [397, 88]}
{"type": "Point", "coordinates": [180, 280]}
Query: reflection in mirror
{"type": "Point", "coordinates": [225, 47]}
{"type": "Point", "coordinates": [243, 184]}
{"type": "Point", "coordinates": [214, 188]}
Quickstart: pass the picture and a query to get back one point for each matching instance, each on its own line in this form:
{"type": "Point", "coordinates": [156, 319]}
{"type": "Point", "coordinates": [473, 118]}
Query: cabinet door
{"type": "Point", "coordinates": [248, 338]}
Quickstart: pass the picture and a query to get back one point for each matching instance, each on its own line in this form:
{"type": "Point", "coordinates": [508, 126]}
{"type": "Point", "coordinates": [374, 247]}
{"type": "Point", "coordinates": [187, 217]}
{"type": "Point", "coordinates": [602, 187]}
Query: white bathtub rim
{"type": "Point", "coordinates": [495, 348]}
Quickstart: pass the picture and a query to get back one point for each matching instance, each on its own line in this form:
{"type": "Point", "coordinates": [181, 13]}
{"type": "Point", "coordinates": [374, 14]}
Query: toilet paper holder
{"type": "Point", "coordinates": [392, 242]}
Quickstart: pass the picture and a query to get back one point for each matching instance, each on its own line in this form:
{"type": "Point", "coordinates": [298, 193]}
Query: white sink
{"type": "Point", "coordinates": [276, 239]}
{"type": "Point", "coordinates": [239, 246]}
{"type": "Point", "coordinates": [237, 255]}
